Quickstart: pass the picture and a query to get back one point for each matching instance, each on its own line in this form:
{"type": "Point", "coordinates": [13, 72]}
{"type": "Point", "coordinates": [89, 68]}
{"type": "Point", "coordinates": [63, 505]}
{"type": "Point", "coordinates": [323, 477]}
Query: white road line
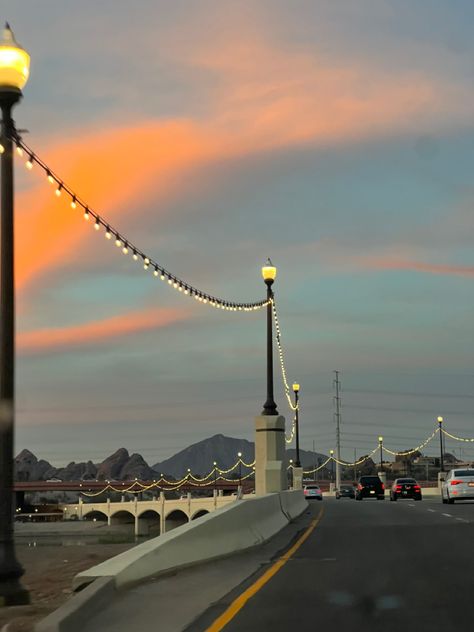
{"type": "Point", "coordinates": [462, 520]}
{"type": "Point", "coordinates": [410, 505]}
{"type": "Point", "coordinates": [447, 515]}
{"type": "Point", "coordinates": [432, 510]}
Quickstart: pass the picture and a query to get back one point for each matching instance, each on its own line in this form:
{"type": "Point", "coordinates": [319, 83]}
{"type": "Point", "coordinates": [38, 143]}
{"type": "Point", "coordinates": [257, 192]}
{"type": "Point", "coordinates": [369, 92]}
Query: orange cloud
{"type": "Point", "coordinates": [266, 98]}
{"type": "Point", "coordinates": [99, 331]}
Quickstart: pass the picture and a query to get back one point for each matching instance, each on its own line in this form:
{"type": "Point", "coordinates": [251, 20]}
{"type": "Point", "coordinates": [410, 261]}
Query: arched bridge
{"type": "Point", "coordinates": [148, 517]}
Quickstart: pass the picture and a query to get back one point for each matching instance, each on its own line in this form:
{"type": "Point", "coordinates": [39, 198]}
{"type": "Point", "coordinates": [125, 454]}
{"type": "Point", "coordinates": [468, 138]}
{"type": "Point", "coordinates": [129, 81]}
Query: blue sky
{"type": "Point", "coordinates": [336, 138]}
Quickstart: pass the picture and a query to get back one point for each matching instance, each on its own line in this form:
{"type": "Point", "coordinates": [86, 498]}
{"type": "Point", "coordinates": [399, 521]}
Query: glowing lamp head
{"type": "Point", "coordinates": [440, 420]}
{"type": "Point", "coordinates": [239, 454]}
{"type": "Point", "coordinates": [296, 387]}
{"type": "Point", "coordinates": [331, 452]}
{"type": "Point", "coordinates": [380, 439]}
{"type": "Point", "coordinates": [14, 63]}
{"type": "Point", "coordinates": [269, 272]}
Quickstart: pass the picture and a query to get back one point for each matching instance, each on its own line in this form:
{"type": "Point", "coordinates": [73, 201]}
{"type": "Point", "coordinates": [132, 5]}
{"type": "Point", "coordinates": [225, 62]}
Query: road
{"type": "Point", "coordinates": [364, 565]}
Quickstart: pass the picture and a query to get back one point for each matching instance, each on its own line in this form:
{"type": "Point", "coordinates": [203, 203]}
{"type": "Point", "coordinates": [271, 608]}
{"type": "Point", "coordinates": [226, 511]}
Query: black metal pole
{"type": "Point", "coordinates": [269, 408]}
{"type": "Point", "coordinates": [215, 476]}
{"type": "Point", "coordinates": [297, 432]}
{"type": "Point", "coordinates": [441, 460]}
{"type": "Point", "coordinates": [381, 457]}
{"type": "Point", "coordinates": [240, 473]}
{"type": "Point", "coordinates": [11, 590]}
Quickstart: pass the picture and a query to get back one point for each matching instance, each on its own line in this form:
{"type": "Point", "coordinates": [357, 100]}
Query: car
{"type": "Point", "coordinates": [458, 485]}
{"type": "Point", "coordinates": [312, 492]}
{"type": "Point", "coordinates": [346, 491]}
{"type": "Point", "coordinates": [370, 487]}
{"type": "Point", "coordinates": [405, 488]}
{"type": "Point", "coordinates": [54, 480]}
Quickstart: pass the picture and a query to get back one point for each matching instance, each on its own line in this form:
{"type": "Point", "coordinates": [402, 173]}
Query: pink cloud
{"type": "Point", "coordinates": [97, 332]}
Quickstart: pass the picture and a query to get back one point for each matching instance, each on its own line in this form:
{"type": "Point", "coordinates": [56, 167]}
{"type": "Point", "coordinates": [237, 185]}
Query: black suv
{"type": "Point", "coordinates": [370, 487]}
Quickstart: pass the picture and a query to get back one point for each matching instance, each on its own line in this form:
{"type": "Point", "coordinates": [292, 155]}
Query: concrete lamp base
{"type": "Point", "coordinates": [270, 472]}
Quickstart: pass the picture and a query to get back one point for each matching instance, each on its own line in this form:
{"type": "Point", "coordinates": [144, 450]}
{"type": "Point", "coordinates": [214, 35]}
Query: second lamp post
{"type": "Point", "coordinates": [296, 390]}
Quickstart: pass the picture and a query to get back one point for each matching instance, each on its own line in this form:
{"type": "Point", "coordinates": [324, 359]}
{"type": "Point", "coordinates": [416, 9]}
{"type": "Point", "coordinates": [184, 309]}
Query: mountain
{"type": "Point", "coordinates": [200, 456]}
{"type": "Point", "coordinates": [28, 468]}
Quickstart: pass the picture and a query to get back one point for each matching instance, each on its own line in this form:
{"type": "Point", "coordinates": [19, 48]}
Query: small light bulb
{"type": "Point", "coordinates": [155, 272]}
{"type": "Point", "coordinates": [175, 285]}
{"type": "Point", "coordinates": [19, 151]}
{"type": "Point", "coordinates": [135, 256]}
{"type": "Point", "coordinates": [29, 163]}
{"type": "Point", "coordinates": [97, 224]}
{"type": "Point", "coordinates": [186, 291]}
{"type": "Point", "coordinates": [108, 234]}
{"type": "Point", "coordinates": [170, 281]}
{"type": "Point", "coordinates": [73, 203]}
{"type": "Point", "coordinates": [180, 288]}
{"type": "Point", "coordinates": [118, 243]}
{"type": "Point", "coordinates": [162, 277]}
{"type": "Point", "coordinates": [125, 249]}
{"type": "Point", "coordinates": [145, 266]}
{"type": "Point", "coordinates": [86, 214]}
{"type": "Point", "coordinates": [58, 191]}
{"type": "Point", "coordinates": [50, 178]}
{"type": "Point", "coordinates": [147, 261]}
{"type": "Point", "coordinates": [2, 149]}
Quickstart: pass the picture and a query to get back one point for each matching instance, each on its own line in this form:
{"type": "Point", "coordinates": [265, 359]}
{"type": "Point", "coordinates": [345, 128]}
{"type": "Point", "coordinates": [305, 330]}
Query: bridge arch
{"type": "Point", "coordinates": [94, 515]}
{"type": "Point", "coordinates": [175, 519]}
{"type": "Point", "coordinates": [199, 514]}
{"type": "Point", "coordinates": [148, 523]}
{"type": "Point", "coordinates": [122, 517]}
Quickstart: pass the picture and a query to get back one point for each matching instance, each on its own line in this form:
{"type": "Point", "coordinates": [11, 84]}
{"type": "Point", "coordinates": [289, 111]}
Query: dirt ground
{"type": "Point", "coordinates": [49, 571]}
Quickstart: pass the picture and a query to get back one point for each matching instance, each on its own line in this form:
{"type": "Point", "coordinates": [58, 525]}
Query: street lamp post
{"type": "Point", "coordinates": [269, 273]}
{"type": "Point", "coordinates": [296, 390]}
{"type": "Point", "coordinates": [239, 454]}
{"type": "Point", "coordinates": [14, 71]}
{"type": "Point", "coordinates": [441, 450]}
{"type": "Point", "coordinates": [215, 476]}
{"type": "Point", "coordinates": [331, 453]}
{"type": "Point", "coordinates": [291, 473]}
{"type": "Point", "coordinates": [381, 453]}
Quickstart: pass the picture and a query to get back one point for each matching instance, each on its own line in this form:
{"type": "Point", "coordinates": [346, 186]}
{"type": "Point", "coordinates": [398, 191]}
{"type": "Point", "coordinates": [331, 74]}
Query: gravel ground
{"type": "Point", "coordinates": [49, 568]}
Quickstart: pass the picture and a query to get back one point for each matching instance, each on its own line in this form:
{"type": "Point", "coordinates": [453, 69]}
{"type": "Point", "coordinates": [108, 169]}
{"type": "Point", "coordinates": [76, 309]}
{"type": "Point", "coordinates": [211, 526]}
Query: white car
{"type": "Point", "coordinates": [458, 485]}
{"type": "Point", "coordinates": [312, 491]}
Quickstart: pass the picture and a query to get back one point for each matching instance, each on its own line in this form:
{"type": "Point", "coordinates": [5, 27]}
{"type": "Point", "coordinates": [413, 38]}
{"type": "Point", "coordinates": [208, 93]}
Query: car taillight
{"type": "Point", "coordinates": [383, 486]}
{"type": "Point", "coordinates": [417, 488]}
{"type": "Point", "coordinates": [456, 482]}
{"type": "Point", "coordinates": [398, 488]}
{"type": "Point", "coordinates": [359, 486]}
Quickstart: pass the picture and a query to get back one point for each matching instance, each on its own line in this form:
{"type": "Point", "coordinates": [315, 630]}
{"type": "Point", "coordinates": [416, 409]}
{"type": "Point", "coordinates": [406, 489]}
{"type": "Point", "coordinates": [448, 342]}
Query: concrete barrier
{"type": "Point", "coordinates": [241, 525]}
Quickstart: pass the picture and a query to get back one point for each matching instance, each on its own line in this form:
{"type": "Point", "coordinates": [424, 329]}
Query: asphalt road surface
{"type": "Point", "coordinates": [365, 566]}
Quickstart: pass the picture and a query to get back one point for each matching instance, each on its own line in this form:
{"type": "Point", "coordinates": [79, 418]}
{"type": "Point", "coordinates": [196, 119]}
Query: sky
{"type": "Point", "coordinates": [334, 137]}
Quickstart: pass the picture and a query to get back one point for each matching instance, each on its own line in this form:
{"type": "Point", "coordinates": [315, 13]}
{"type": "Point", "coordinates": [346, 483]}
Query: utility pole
{"type": "Point", "coordinates": [337, 401]}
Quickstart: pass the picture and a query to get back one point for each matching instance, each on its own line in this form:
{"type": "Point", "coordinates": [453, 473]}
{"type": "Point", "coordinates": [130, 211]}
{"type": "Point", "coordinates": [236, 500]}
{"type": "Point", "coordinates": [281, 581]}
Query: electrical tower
{"type": "Point", "coordinates": [337, 415]}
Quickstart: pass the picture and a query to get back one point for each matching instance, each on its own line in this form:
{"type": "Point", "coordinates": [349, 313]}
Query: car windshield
{"type": "Point", "coordinates": [463, 473]}
{"type": "Point", "coordinates": [370, 480]}
{"type": "Point", "coordinates": [405, 480]}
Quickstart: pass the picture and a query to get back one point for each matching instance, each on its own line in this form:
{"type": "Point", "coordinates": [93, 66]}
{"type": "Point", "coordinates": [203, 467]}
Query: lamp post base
{"type": "Point", "coordinates": [297, 477]}
{"type": "Point", "coordinates": [12, 593]}
{"type": "Point", "coordinates": [270, 472]}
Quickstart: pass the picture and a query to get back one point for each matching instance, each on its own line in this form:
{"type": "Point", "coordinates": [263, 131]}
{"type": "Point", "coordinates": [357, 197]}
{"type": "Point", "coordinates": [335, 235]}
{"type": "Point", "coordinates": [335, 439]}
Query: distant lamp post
{"type": "Point", "coordinates": [381, 453]}
{"type": "Point", "coordinates": [14, 72]}
{"type": "Point", "coordinates": [296, 390]}
{"type": "Point", "coordinates": [331, 453]}
{"type": "Point", "coordinates": [239, 454]}
{"type": "Point", "coordinates": [215, 475]}
{"type": "Point", "coordinates": [291, 472]}
{"type": "Point", "coordinates": [441, 448]}
{"type": "Point", "coordinates": [269, 274]}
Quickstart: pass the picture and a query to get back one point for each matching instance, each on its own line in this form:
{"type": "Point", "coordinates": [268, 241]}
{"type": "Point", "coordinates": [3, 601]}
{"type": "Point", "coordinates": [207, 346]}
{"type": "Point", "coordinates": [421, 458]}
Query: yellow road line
{"type": "Point", "coordinates": [242, 599]}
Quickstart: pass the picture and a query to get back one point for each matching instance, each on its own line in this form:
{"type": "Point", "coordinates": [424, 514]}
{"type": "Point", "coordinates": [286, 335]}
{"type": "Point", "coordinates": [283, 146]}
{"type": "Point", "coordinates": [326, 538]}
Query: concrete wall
{"type": "Point", "coordinates": [238, 526]}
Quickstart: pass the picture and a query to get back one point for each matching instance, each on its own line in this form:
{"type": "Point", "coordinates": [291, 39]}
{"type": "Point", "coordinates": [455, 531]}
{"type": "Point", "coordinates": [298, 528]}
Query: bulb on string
{"type": "Point", "coordinates": [19, 151]}
{"type": "Point", "coordinates": [50, 178]}
{"type": "Point", "coordinates": [73, 203]}
{"type": "Point", "coordinates": [58, 190]}
{"type": "Point", "coordinates": [135, 256]}
{"type": "Point", "coordinates": [2, 149]}
{"type": "Point", "coordinates": [155, 272]}
{"type": "Point", "coordinates": [162, 276]}
{"type": "Point", "coordinates": [170, 281]}
{"type": "Point", "coordinates": [97, 224]}
{"type": "Point", "coordinates": [86, 214]}
{"type": "Point", "coordinates": [29, 163]}
{"type": "Point", "coordinates": [108, 234]}
{"type": "Point", "coordinates": [125, 249]}
{"type": "Point", "coordinates": [118, 242]}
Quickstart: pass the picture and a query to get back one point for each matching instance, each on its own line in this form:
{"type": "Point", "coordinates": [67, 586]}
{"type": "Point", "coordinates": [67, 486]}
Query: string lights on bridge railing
{"type": "Point", "coordinates": [124, 243]}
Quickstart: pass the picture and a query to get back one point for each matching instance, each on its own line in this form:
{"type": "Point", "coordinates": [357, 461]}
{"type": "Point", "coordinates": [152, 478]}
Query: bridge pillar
{"type": "Point", "coordinates": [81, 502]}
{"type": "Point", "coordinates": [162, 513]}
{"type": "Point", "coordinates": [297, 478]}
{"type": "Point", "coordinates": [214, 494]}
{"type": "Point", "coordinates": [109, 519]}
{"type": "Point", "coordinates": [270, 473]}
